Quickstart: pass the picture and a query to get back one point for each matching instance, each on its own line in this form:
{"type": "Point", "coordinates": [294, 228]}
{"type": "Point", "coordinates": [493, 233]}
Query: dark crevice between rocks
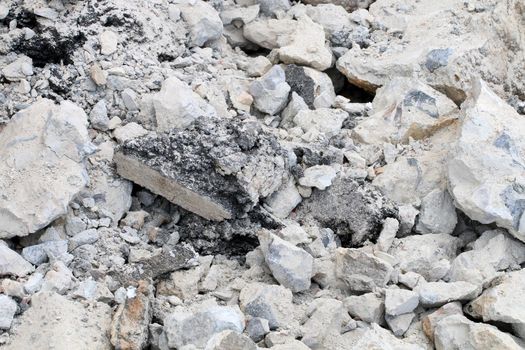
{"type": "Point", "coordinates": [50, 47]}
{"type": "Point", "coordinates": [356, 94]}
{"type": "Point", "coordinates": [24, 19]}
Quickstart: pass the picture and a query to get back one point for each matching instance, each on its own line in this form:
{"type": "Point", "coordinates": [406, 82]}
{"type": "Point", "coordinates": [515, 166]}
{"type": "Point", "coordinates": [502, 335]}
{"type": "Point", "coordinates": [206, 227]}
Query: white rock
{"type": "Point", "coordinates": [295, 105]}
{"type": "Point", "coordinates": [129, 97]}
{"type": "Point", "coordinates": [8, 309]}
{"type": "Point", "coordinates": [368, 307]}
{"type": "Point", "coordinates": [400, 324]}
{"type": "Point", "coordinates": [319, 176]}
{"type": "Point", "coordinates": [493, 251]}
{"type": "Point", "coordinates": [502, 302]}
{"type": "Point", "coordinates": [177, 105]}
{"type": "Point", "coordinates": [4, 11]}
{"type": "Point", "coordinates": [183, 328]}
{"type": "Point", "coordinates": [284, 200]}
{"type": "Point", "coordinates": [325, 120]}
{"type": "Point", "coordinates": [258, 66]}
{"type": "Point", "coordinates": [59, 279]}
{"type": "Point", "coordinates": [42, 151]}
{"type": "Point", "coordinates": [387, 235]}
{"type": "Point", "coordinates": [290, 266]}
{"type": "Point", "coordinates": [238, 16]}
{"type": "Point", "coordinates": [437, 214]}
{"type": "Point", "coordinates": [204, 22]}
{"type": "Point", "coordinates": [400, 301]}
{"type": "Point", "coordinates": [230, 340]}
{"type": "Point", "coordinates": [19, 69]}
{"type": "Point", "coordinates": [458, 332]}
{"type": "Point", "coordinates": [85, 237]}
{"type": "Point", "coordinates": [428, 255]}
{"type": "Point", "coordinates": [377, 337]}
{"type": "Point", "coordinates": [128, 132]}
{"type": "Point", "coordinates": [270, 33]}
{"type": "Point", "coordinates": [99, 116]}
{"type": "Point", "coordinates": [271, 302]}
{"type": "Point", "coordinates": [405, 108]}
{"type": "Point", "coordinates": [11, 263]}
{"type": "Point", "coordinates": [108, 42]}
{"type": "Point", "coordinates": [270, 92]}
{"type": "Point", "coordinates": [433, 294]}
{"type": "Point", "coordinates": [307, 46]}
{"type": "Point", "coordinates": [359, 271]}
{"type": "Point", "coordinates": [485, 171]}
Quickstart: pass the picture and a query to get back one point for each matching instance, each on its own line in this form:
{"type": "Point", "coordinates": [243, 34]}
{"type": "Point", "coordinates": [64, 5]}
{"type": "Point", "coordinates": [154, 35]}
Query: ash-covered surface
{"type": "Point", "coordinates": [232, 163]}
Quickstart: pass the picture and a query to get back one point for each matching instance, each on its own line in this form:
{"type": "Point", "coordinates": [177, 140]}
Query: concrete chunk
{"type": "Point", "coordinates": [213, 169]}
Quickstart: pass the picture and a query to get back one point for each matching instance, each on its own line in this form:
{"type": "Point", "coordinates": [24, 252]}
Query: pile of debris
{"type": "Point", "coordinates": [251, 174]}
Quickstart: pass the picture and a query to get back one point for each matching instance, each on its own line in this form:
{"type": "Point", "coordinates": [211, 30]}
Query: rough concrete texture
{"type": "Point", "coordinates": [215, 177]}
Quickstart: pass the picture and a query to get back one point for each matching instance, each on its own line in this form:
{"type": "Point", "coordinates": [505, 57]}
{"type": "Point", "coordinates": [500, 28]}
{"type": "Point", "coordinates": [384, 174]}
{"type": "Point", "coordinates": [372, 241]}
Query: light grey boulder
{"type": "Point", "coordinates": [270, 92]}
{"type": "Point", "coordinates": [435, 294]}
{"type": "Point", "coordinates": [400, 301]}
{"type": "Point", "coordinates": [368, 307]}
{"type": "Point", "coordinates": [485, 171]}
{"type": "Point", "coordinates": [230, 340]}
{"type": "Point", "coordinates": [11, 263]}
{"type": "Point", "coordinates": [42, 152]}
{"type": "Point", "coordinates": [184, 328]}
{"type": "Point", "coordinates": [38, 254]}
{"type": "Point", "coordinates": [437, 214]}
{"type": "Point", "coordinates": [271, 302]}
{"type": "Point", "coordinates": [203, 21]}
{"type": "Point", "coordinates": [98, 117]}
{"type": "Point", "coordinates": [291, 266]}
{"type": "Point", "coordinates": [8, 308]}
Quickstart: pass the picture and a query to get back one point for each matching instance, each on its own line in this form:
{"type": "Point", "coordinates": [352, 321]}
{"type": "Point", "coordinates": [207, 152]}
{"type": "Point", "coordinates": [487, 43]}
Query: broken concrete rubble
{"type": "Point", "coordinates": [253, 157]}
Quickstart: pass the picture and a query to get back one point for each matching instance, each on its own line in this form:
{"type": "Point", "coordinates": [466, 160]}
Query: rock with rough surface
{"type": "Point", "coordinates": [435, 294]}
{"type": "Point", "coordinates": [42, 153]}
{"type": "Point", "coordinates": [291, 266]}
{"type": "Point", "coordinates": [270, 92]}
{"type": "Point", "coordinates": [486, 170]}
{"type": "Point", "coordinates": [271, 302]}
{"type": "Point", "coordinates": [11, 263]}
{"type": "Point", "coordinates": [8, 308]}
{"type": "Point", "coordinates": [204, 22]}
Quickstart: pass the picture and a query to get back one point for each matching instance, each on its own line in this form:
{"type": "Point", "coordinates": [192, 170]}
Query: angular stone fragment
{"type": "Point", "coordinates": [400, 301]}
{"type": "Point", "coordinates": [176, 105]}
{"type": "Point", "coordinates": [493, 251]}
{"type": "Point", "coordinates": [204, 22]}
{"type": "Point", "coordinates": [349, 209]}
{"type": "Point", "coordinates": [11, 263]}
{"type": "Point", "coordinates": [129, 327]}
{"type": "Point", "coordinates": [270, 92]}
{"type": "Point", "coordinates": [359, 271]}
{"type": "Point", "coordinates": [42, 153]}
{"type": "Point", "coordinates": [324, 120]}
{"type": "Point", "coordinates": [257, 328]}
{"type": "Point", "coordinates": [438, 214]}
{"type": "Point", "coordinates": [284, 200]}
{"type": "Point", "coordinates": [198, 328]}
{"type": "Point", "coordinates": [400, 324]}
{"type": "Point", "coordinates": [430, 321]}
{"type": "Point", "coordinates": [291, 266]}
{"type": "Point", "coordinates": [503, 302]}
{"type": "Point", "coordinates": [8, 309]}
{"type": "Point", "coordinates": [270, 33]}
{"type": "Point", "coordinates": [320, 176]}
{"type": "Point", "coordinates": [428, 255]}
{"type": "Point", "coordinates": [214, 169]}
{"type": "Point", "coordinates": [307, 46]}
{"type": "Point", "coordinates": [19, 69]}
{"type": "Point", "coordinates": [486, 170]}
{"type": "Point", "coordinates": [108, 42]}
{"type": "Point", "coordinates": [434, 294]}
{"type": "Point", "coordinates": [377, 337]}
{"type": "Point", "coordinates": [271, 302]}
{"type": "Point", "coordinates": [38, 254]}
{"type": "Point", "coordinates": [55, 322]}
{"type": "Point", "coordinates": [368, 307]}
{"type": "Point", "coordinates": [230, 340]}
{"type": "Point", "coordinates": [316, 88]}
{"type": "Point", "coordinates": [405, 108]}
{"type": "Point", "coordinates": [458, 332]}
{"type": "Point", "coordinates": [423, 47]}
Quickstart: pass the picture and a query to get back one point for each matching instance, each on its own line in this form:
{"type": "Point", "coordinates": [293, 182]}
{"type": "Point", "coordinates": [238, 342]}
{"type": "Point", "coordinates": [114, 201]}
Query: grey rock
{"type": "Point", "coordinates": [48, 143]}
{"type": "Point", "coordinates": [11, 263]}
{"type": "Point", "coordinates": [59, 279]}
{"type": "Point", "coordinates": [359, 271]}
{"type": "Point", "coordinates": [319, 176]}
{"type": "Point", "coordinates": [273, 7]}
{"type": "Point", "coordinates": [437, 214]}
{"type": "Point", "coordinates": [230, 340]}
{"type": "Point", "coordinates": [435, 294]}
{"type": "Point", "coordinates": [195, 169]}
{"type": "Point", "coordinates": [270, 92]}
{"type": "Point", "coordinates": [284, 200]}
{"type": "Point", "coordinates": [257, 328]}
{"type": "Point", "coordinates": [324, 120]}
{"type": "Point", "coordinates": [85, 237]}
{"type": "Point", "coordinates": [271, 302]}
{"type": "Point", "coordinates": [183, 328]}
{"type": "Point", "coordinates": [291, 266]}
{"type": "Point", "coordinates": [129, 97]}
{"type": "Point", "coordinates": [38, 254]}
{"type": "Point", "coordinates": [98, 116]}
{"type": "Point", "coordinates": [204, 22]}
{"type": "Point", "coordinates": [8, 308]}
{"type": "Point", "coordinates": [400, 301]}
